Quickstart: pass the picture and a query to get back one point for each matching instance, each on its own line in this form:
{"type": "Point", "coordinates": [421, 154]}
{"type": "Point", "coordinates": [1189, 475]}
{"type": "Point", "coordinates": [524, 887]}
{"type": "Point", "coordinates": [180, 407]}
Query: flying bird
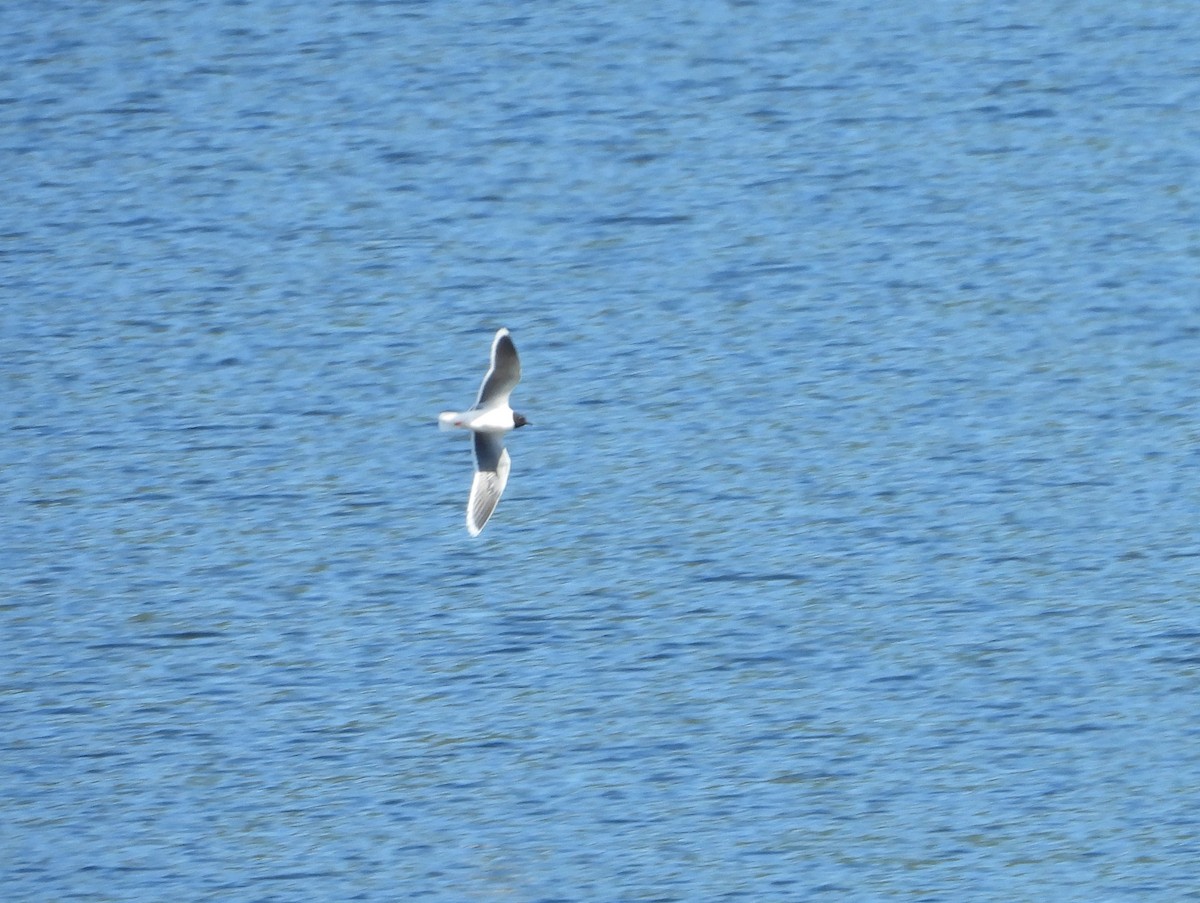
{"type": "Point", "coordinates": [489, 419]}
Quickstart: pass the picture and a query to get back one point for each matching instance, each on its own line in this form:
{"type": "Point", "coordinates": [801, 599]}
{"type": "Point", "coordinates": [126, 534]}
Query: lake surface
{"type": "Point", "coordinates": [852, 553]}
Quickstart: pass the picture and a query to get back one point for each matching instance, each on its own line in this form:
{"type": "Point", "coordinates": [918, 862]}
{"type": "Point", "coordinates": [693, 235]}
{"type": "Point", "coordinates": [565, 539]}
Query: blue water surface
{"type": "Point", "coordinates": [852, 553]}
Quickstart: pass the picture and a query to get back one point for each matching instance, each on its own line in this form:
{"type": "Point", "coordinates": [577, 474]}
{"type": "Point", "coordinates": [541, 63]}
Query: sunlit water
{"type": "Point", "coordinates": [851, 555]}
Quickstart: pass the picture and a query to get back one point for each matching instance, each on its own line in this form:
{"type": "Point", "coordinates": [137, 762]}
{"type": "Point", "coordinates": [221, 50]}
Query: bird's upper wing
{"type": "Point", "coordinates": [492, 465]}
{"type": "Point", "coordinates": [504, 373]}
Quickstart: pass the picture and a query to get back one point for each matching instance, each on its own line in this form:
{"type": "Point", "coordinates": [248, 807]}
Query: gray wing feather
{"type": "Point", "coordinates": [489, 448]}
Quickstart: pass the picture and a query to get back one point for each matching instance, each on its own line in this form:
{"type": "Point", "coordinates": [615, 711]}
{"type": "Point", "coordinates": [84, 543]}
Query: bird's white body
{"type": "Point", "coordinates": [497, 418]}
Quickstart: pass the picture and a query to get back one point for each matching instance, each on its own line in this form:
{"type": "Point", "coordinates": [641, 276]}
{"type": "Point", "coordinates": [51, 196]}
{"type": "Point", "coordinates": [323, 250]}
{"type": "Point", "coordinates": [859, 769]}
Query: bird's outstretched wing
{"type": "Point", "coordinates": [504, 373]}
{"type": "Point", "coordinates": [492, 465]}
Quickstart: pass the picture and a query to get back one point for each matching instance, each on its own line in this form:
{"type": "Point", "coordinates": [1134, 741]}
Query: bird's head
{"type": "Point", "coordinates": [519, 420]}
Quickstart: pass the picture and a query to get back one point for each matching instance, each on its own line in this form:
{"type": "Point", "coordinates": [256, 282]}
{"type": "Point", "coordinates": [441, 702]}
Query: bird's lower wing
{"type": "Point", "coordinates": [486, 490]}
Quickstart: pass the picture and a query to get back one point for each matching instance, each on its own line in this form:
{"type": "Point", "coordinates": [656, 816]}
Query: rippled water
{"type": "Point", "coordinates": [852, 553]}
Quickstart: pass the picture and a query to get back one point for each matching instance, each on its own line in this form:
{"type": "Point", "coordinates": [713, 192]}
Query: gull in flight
{"type": "Point", "coordinates": [489, 420]}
